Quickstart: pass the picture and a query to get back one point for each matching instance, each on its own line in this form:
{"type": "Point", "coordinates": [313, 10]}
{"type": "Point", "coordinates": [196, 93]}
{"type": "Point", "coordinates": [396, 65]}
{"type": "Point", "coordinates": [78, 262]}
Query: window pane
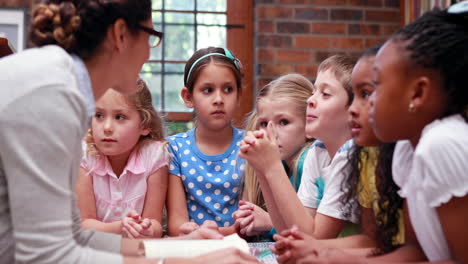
{"type": "Point", "coordinates": [179, 18]}
{"type": "Point", "coordinates": [211, 36]}
{"type": "Point", "coordinates": [174, 68]}
{"type": "Point", "coordinates": [154, 85]}
{"type": "Point", "coordinates": [173, 84]}
{"type": "Point", "coordinates": [211, 19]}
{"type": "Point", "coordinates": [180, 4]}
{"type": "Point", "coordinates": [150, 68]}
{"type": "Point", "coordinates": [211, 5]}
{"type": "Point", "coordinates": [178, 42]}
{"type": "Point", "coordinates": [156, 4]}
{"type": "Point", "coordinates": [157, 18]}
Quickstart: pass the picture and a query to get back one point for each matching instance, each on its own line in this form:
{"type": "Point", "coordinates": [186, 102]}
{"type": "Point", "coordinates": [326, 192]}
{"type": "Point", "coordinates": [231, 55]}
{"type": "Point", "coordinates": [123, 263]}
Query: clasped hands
{"type": "Point", "coordinates": [251, 220]}
{"type": "Point", "coordinates": [260, 148]}
{"type": "Point", "coordinates": [134, 226]}
{"type": "Point", "coordinates": [295, 246]}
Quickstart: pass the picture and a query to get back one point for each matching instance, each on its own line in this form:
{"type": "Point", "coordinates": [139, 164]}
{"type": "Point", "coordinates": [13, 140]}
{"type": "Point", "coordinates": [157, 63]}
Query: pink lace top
{"type": "Point", "coordinates": [115, 196]}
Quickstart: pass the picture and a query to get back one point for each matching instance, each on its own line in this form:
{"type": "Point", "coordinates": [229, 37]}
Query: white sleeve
{"type": "Point", "coordinates": [40, 149]}
{"type": "Point", "coordinates": [308, 192]}
{"type": "Point", "coordinates": [441, 162]}
{"type": "Point", "coordinates": [401, 166]}
{"type": "Point", "coordinates": [331, 204]}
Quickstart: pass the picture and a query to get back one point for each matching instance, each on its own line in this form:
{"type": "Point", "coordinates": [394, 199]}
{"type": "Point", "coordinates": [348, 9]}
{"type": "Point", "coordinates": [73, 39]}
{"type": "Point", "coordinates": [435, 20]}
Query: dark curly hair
{"type": "Point", "coordinates": [390, 203]}
{"type": "Point", "coordinates": [350, 185]}
{"type": "Point", "coordinates": [438, 40]}
{"type": "Point", "coordinates": [79, 26]}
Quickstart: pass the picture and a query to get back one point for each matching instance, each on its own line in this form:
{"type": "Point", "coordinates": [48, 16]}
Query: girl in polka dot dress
{"type": "Point", "coordinates": [204, 174]}
{"type": "Point", "coordinates": [122, 183]}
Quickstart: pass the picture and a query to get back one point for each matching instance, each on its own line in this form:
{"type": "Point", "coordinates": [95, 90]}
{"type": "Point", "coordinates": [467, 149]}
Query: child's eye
{"type": "Point", "coordinates": [119, 117]}
{"type": "Point", "coordinates": [263, 124]}
{"type": "Point", "coordinates": [207, 90]}
{"type": "Point", "coordinates": [228, 89]}
{"type": "Point", "coordinates": [98, 115]}
{"type": "Point", "coordinates": [284, 122]}
{"type": "Point", "coordinates": [365, 94]}
{"type": "Point", "coordinates": [325, 95]}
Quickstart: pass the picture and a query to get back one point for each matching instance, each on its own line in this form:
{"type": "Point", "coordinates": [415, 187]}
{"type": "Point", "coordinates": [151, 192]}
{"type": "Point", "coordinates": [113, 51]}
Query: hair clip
{"type": "Point", "coordinates": [458, 8]}
{"type": "Point", "coordinates": [236, 61]}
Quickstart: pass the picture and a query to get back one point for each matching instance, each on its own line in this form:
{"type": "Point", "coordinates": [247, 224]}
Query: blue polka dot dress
{"type": "Point", "coordinates": [211, 182]}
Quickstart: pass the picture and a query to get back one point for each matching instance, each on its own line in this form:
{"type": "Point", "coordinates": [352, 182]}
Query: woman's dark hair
{"type": "Point", "coordinates": [438, 40]}
{"type": "Point", "coordinates": [195, 70]}
{"type": "Point", "coordinates": [79, 26]}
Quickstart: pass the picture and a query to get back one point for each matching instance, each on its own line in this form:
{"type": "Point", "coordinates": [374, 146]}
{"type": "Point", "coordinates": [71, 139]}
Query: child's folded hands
{"type": "Point", "coordinates": [251, 220]}
{"type": "Point", "coordinates": [260, 148]}
{"type": "Point", "coordinates": [133, 226]}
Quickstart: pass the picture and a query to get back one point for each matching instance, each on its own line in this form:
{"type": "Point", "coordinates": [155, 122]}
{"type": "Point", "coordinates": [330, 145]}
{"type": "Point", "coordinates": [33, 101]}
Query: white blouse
{"type": "Point", "coordinates": [430, 176]}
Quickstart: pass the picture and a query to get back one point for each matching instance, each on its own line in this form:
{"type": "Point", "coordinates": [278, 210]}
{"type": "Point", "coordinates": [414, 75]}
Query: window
{"type": "Point", "coordinates": [188, 26]}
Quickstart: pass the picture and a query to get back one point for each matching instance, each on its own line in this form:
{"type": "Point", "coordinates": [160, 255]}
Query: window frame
{"type": "Point", "coordinates": [239, 39]}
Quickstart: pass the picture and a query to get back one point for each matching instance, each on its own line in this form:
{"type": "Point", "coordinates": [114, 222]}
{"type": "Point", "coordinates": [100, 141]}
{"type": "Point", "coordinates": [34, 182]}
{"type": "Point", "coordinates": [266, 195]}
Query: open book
{"type": "Point", "coordinates": [190, 248]}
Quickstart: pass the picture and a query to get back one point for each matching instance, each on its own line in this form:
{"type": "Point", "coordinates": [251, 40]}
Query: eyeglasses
{"type": "Point", "coordinates": [155, 36]}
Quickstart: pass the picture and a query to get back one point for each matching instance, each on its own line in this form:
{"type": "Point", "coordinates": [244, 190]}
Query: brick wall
{"type": "Point", "coordinates": [296, 35]}
{"type": "Point", "coordinates": [15, 3]}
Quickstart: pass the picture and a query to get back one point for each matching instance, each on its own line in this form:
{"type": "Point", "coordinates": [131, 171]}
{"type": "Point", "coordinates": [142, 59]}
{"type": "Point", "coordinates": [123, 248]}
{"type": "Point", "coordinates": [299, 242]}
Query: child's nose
{"type": "Point", "coordinates": [311, 101]}
{"type": "Point", "coordinates": [108, 125]}
{"type": "Point", "coordinates": [218, 97]}
{"type": "Point", "coordinates": [352, 110]}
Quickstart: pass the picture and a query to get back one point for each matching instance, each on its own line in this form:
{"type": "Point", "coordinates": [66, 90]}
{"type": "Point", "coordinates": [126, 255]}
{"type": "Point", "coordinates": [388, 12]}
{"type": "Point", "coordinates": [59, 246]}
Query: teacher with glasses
{"type": "Point", "coordinates": [47, 95]}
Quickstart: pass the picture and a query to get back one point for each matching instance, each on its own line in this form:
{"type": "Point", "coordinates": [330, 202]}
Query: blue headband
{"type": "Point", "coordinates": [227, 54]}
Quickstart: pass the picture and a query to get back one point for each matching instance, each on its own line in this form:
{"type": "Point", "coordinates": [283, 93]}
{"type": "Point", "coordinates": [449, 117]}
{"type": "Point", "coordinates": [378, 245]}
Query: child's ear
{"type": "Point", "coordinates": [145, 132]}
{"type": "Point", "coordinates": [419, 92]}
{"type": "Point", "coordinates": [187, 97]}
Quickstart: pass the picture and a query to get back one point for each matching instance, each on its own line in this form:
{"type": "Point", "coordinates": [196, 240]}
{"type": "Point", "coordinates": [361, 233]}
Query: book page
{"type": "Point", "coordinates": [190, 248]}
